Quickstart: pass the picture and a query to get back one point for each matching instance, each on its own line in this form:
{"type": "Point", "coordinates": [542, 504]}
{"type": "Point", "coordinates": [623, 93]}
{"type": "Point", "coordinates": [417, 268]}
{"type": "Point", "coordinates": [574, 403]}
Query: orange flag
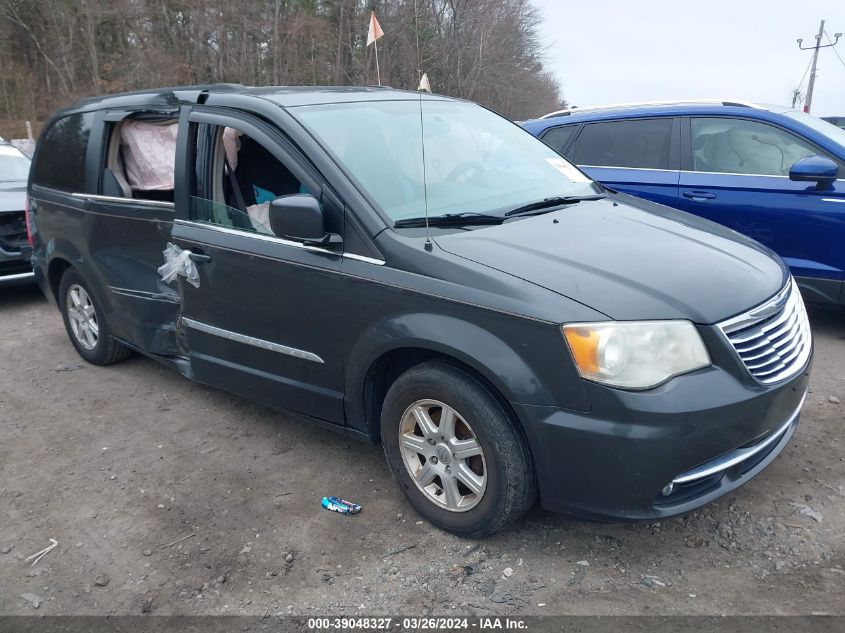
{"type": "Point", "coordinates": [375, 31]}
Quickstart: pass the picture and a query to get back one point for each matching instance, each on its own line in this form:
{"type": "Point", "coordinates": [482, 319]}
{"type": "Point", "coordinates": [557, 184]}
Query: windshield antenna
{"type": "Point", "coordinates": [428, 245]}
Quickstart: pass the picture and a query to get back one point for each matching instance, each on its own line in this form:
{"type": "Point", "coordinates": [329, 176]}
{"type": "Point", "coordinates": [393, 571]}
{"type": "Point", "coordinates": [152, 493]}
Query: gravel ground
{"type": "Point", "coordinates": [168, 497]}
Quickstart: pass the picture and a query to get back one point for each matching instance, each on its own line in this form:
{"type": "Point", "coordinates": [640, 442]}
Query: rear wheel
{"type": "Point", "coordinates": [455, 451]}
{"type": "Point", "coordinates": [86, 324]}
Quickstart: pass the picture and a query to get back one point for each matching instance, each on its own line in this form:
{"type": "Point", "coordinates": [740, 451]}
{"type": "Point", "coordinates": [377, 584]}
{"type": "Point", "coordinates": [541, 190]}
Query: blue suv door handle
{"type": "Point", "coordinates": [698, 195]}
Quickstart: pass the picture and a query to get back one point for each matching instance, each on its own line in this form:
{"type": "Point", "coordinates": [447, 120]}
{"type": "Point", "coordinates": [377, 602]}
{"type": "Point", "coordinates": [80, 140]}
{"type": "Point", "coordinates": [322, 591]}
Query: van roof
{"type": "Point", "coordinates": [285, 96]}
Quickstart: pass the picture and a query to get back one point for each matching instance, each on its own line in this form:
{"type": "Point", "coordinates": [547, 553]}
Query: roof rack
{"type": "Point", "coordinates": [723, 102]}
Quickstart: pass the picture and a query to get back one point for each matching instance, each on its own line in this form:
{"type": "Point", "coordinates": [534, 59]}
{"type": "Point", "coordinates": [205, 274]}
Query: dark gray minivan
{"type": "Point", "coordinates": [419, 271]}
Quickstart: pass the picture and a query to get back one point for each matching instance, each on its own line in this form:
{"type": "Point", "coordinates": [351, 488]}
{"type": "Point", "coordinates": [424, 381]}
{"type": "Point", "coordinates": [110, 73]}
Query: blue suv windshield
{"type": "Point", "coordinates": [836, 134]}
{"type": "Point", "coordinates": [475, 160]}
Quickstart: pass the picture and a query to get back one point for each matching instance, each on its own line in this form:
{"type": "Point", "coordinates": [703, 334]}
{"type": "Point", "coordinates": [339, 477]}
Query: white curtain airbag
{"type": "Point", "coordinates": [149, 154]}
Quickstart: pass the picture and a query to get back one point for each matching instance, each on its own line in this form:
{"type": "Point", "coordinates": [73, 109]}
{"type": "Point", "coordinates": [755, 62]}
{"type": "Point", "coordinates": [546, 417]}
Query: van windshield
{"type": "Point", "coordinates": [13, 166]}
{"type": "Point", "coordinates": [475, 160]}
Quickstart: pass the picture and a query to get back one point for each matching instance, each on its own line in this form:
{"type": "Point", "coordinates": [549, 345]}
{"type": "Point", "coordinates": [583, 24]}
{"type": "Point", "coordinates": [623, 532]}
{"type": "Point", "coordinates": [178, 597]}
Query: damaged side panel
{"type": "Point", "coordinates": [128, 253]}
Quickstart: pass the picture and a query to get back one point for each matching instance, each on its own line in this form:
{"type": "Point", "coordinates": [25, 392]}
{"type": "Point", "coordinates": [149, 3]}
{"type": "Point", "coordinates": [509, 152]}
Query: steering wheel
{"type": "Point", "coordinates": [465, 167]}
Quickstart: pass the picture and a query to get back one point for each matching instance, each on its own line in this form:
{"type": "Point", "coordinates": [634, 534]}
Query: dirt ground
{"type": "Point", "coordinates": [118, 464]}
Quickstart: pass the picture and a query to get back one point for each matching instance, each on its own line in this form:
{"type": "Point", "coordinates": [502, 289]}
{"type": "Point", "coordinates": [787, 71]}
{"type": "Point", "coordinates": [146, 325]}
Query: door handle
{"type": "Point", "coordinates": [698, 195]}
{"type": "Point", "coordinates": [199, 257]}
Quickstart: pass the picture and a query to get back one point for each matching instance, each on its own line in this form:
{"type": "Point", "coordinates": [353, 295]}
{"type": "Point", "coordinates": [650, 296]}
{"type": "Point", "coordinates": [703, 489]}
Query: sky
{"type": "Point", "coordinates": [620, 51]}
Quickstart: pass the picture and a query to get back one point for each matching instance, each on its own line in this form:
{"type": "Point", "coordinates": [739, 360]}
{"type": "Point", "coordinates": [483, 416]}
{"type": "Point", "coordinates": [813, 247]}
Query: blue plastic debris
{"type": "Point", "coordinates": [336, 504]}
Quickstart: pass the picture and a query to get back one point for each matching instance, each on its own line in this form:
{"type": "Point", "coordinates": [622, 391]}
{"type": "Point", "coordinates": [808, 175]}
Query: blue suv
{"type": "Point", "coordinates": [772, 173]}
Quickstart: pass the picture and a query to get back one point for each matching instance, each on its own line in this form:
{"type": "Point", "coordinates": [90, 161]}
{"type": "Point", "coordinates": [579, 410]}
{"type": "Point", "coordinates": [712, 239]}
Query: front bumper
{"type": "Point", "coordinates": [705, 433]}
{"type": "Point", "coordinates": [14, 268]}
{"type": "Point", "coordinates": [14, 250]}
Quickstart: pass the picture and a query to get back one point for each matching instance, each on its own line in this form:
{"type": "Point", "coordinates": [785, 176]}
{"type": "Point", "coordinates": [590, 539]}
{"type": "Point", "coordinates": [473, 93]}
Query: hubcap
{"type": "Point", "coordinates": [442, 455]}
{"type": "Point", "coordinates": [82, 317]}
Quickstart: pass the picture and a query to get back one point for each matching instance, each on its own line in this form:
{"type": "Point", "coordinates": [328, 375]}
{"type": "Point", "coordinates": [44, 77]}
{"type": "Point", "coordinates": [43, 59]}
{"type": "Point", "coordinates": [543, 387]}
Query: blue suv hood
{"type": "Point", "coordinates": [630, 261]}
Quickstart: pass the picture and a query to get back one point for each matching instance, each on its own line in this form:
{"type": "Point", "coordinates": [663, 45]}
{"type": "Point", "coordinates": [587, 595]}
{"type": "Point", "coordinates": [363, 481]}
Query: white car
{"type": "Point", "coordinates": [14, 259]}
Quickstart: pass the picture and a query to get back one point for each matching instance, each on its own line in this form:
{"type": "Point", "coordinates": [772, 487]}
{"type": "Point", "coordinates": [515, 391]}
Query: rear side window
{"type": "Point", "coordinates": [642, 143]}
{"type": "Point", "coordinates": [60, 162]}
{"type": "Point", "coordinates": [558, 137]}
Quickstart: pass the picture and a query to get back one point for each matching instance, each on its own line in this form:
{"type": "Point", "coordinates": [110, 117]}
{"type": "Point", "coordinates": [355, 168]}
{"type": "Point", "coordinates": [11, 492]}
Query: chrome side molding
{"type": "Point", "coordinates": [250, 340]}
{"type": "Point", "coordinates": [141, 201]}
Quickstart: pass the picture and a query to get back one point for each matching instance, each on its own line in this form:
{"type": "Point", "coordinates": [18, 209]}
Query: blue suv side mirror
{"type": "Point", "coordinates": [818, 169]}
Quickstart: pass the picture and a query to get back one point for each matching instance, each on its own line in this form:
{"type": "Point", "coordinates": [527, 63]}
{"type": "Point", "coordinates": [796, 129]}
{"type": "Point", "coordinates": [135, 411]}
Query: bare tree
{"type": "Point", "coordinates": [55, 51]}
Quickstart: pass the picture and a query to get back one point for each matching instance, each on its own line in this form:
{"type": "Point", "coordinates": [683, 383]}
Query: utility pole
{"type": "Point", "coordinates": [809, 100]}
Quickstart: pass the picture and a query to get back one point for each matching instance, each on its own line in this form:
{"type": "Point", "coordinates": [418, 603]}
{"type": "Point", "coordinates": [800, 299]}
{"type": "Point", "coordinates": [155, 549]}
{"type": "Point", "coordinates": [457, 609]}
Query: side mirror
{"type": "Point", "coordinates": [817, 169]}
{"type": "Point", "coordinates": [299, 217]}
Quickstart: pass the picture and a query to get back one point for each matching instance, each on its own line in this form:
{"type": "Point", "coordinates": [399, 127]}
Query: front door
{"type": "Point", "coordinates": [262, 321]}
{"type": "Point", "coordinates": [738, 175]}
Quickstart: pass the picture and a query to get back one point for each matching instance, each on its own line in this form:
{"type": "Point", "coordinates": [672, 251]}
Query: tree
{"type": "Point", "coordinates": [53, 52]}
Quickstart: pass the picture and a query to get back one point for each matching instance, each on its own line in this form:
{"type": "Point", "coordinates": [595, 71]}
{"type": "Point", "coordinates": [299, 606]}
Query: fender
{"type": "Point", "coordinates": [62, 248]}
{"type": "Point", "coordinates": [479, 349]}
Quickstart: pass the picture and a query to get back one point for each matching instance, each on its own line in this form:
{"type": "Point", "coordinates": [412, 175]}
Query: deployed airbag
{"type": "Point", "coordinates": [149, 154]}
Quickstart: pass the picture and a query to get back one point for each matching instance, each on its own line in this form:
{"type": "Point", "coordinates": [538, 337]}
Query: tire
{"type": "Point", "coordinates": [483, 487]}
{"type": "Point", "coordinates": [89, 334]}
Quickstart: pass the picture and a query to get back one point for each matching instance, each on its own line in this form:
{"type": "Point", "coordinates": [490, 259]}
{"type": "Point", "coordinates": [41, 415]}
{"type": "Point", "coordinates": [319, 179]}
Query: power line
{"type": "Point", "coordinates": [804, 76]}
{"type": "Point", "coordinates": [842, 61]}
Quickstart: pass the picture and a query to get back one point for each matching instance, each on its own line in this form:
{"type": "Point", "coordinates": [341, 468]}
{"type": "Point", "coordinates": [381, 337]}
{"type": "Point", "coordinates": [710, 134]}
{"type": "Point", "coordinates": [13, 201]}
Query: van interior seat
{"type": "Point", "coordinates": [114, 175]}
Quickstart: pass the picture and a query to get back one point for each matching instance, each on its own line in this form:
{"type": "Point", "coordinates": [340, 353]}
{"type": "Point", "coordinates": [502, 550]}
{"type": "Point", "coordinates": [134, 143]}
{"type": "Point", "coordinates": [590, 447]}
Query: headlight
{"type": "Point", "coordinates": [635, 354]}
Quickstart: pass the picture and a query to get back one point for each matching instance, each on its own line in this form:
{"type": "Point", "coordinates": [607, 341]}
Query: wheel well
{"type": "Point", "coordinates": [388, 367]}
{"type": "Point", "coordinates": [54, 275]}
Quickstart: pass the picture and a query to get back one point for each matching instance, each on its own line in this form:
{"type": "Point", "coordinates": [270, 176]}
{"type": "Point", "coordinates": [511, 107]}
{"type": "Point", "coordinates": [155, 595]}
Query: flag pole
{"type": "Point", "coordinates": [378, 72]}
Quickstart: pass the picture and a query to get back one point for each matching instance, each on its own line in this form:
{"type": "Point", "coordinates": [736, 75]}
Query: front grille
{"type": "Point", "coordinates": [773, 340]}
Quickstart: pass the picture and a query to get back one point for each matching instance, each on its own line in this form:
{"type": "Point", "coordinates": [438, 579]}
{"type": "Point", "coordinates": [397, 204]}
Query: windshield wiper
{"type": "Point", "coordinates": [450, 219]}
{"type": "Point", "coordinates": [548, 203]}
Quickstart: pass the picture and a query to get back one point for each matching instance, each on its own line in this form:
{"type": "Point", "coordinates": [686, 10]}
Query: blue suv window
{"type": "Point", "coordinates": [739, 146]}
{"type": "Point", "coordinates": [558, 137]}
{"type": "Point", "coordinates": [642, 143]}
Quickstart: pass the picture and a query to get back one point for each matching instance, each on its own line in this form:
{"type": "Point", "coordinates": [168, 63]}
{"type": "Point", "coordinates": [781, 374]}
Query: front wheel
{"type": "Point", "coordinates": [455, 451]}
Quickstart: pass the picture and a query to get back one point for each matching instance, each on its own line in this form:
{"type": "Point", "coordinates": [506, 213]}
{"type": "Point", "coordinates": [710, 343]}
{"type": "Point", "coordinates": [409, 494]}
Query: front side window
{"type": "Point", "coordinates": [639, 143]}
{"type": "Point", "coordinates": [14, 166]}
{"type": "Point", "coordinates": [60, 160]}
{"type": "Point", "coordinates": [739, 146]}
{"type": "Point", "coordinates": [244, 177]}
{"type": "Point", "coordinates": [474, 160]}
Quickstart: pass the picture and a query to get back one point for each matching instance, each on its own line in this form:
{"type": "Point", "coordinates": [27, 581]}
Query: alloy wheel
{"type": "Point", "coordinates": [82, 317]}
{"type": "Point", "coordinates": [442, 455]}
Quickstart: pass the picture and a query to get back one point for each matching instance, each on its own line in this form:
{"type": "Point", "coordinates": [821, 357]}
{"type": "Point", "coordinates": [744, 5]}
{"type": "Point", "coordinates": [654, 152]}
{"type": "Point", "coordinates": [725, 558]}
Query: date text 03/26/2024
{"type": "Point", "coordinates": [416, 623]}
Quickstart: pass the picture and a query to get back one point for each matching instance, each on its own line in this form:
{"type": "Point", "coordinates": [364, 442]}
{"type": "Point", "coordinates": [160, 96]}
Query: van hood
{"type": "Point", "coordinates": [12, 196]}
{"type": "Point", "coordinates": [630, 261]}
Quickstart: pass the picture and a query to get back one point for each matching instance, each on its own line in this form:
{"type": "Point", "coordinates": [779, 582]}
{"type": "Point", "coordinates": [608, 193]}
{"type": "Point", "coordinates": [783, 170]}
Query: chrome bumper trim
{"type": "Point", "coordinates": [739, 455]}
{"type": "Point", "coordinates": [16, 277]}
